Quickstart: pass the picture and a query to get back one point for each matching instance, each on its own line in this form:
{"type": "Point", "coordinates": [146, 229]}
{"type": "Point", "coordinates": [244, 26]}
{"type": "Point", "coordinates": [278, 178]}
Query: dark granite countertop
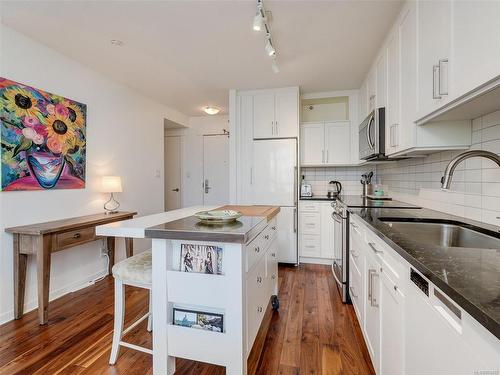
{"type": "Point", "coordinates": [469, 276]}
{"type": "Point", "coordinates": [357, 201]}
{"type": "Point", "coordinates": [242, 230]}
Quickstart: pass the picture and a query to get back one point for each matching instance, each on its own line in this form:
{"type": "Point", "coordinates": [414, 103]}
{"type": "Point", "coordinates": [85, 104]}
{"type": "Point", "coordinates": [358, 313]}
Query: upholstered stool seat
{"type": "Point", "coordinates": [134, 271]}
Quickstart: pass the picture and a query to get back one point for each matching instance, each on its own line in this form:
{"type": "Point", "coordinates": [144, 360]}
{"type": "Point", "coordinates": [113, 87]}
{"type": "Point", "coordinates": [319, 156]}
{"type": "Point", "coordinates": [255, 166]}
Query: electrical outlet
{"type": "Point", "coordinates": [104, 249]}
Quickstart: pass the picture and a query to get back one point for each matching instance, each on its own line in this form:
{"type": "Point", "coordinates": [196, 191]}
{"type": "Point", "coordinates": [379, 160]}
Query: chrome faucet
{"type": "Point", "coordinates": [448, 173]}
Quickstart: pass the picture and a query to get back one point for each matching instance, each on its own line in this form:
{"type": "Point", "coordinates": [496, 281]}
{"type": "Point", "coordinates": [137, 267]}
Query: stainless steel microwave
{"type": "Point", "coordinates": [372, 136]}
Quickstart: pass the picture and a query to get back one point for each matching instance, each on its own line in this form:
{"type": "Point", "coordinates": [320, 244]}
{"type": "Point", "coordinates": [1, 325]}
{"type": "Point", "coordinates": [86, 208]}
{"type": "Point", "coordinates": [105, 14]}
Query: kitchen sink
{"type": "Point", "coordinates": [443, 234]}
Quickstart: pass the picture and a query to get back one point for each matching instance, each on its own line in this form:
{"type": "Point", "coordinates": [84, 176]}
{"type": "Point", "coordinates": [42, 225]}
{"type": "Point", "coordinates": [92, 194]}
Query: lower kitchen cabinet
{"type": "Point", "coordinates": [392, 302]}
{"type": "Point", "coordinates": [316, 230]}
{"type": "Point", "coordinates": [409, 331]}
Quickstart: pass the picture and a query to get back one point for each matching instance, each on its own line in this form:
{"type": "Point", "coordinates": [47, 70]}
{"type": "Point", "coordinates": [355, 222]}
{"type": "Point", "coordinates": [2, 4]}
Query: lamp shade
{"type": "Point", "coordinates": [111, 184]}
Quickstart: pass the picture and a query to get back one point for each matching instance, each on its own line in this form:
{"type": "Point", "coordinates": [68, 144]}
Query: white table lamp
{"type": "Point", "coordinates": [111, 184]}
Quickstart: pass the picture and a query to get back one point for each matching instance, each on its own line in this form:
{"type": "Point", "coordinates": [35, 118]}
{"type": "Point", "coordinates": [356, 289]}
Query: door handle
{"type": "Point", "coordinates": [207, 187]}
{"type": "Point", "coordinates": [176, 189]}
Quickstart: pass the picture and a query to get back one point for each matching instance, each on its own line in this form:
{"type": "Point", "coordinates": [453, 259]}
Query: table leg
{"type": "Point", "coordinates": [110, 245]}
{"type": "Point", "coordinates": [42, 244]}
{"type": "Point", "coordinates": [129, 247]}
{"type": "Point", "coordinates": [20, 262]}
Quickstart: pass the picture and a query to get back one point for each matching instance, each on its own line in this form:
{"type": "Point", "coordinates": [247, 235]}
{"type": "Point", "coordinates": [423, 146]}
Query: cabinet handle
{"type": "Point", "coordinates": [294, 220]}
{"type": "Point", "coordinates": [273, 227]}
{"type": "Point", "coordinates": [273, 277]}
{"type": "Point", "coordinates": [77, 235]}
{"type": "Point", "coordinates": [272, 127]}
{"type": "Point", "coordinates": [354, 254]}
{"type": "Point", "coordinates": [327, 156]}
{"type": "Point", "coordinates": [257, 249]}
{"type": "Point", "coordinates": [322, 156]}
{"type": "Point", "coordinates": [441, 91]}
{"type": "Point", "coordinates": [276, 127]}
{"type": "Point", "coordinates": [370, 273]}
{"type": "Point", "coordinates": [259, 279]}
{"type": "Point", "coordinates": [259, 309]}
{"type": "Point", "coordinates": [353, 225]}
{"type": "Point", "coordinates": [435, 70]}
{"type": "Point", "coordinates": [266, 236]}
{"type": "Point", "coordinates": [273, 255]}
{"type": "Point", "coordinates": [351, 289]}
{"type": "Point", "coordinates": [373, 301]}
{"type": "Point", "coordinates": [377, 251]}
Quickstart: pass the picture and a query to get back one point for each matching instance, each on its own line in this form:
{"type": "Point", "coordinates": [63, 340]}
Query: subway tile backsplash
{"type": "Point", "coordinates": [349, 177]}
{"type": "Point", "coordinates": [475, 188]}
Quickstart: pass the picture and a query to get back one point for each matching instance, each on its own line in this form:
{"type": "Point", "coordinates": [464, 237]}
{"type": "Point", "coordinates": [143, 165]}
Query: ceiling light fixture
{"type": "Point", "coordinates": [275, 67]}
{"type": "Point", "coordinates": [261, 21]}
{"type": "Point", "coordinates": [117, 42]}
{"type": "Point", "coordinates": [258, 22]}
{"type": "Point", "coordinates": [269, 48]}
{"type": "Point", "coordinates": [210, 110]}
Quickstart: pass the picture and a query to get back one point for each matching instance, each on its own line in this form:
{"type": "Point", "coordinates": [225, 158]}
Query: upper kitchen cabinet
{"type": "Point", "coordinates": [434, 46]}
{"type": "Point", "coordinates": [476, 44]}
{"type": "Point", "coordinates": [371, 86]}
{"type": "Point", "coordinates": [329, 131]}
{"type": "Point", "coordinates": [276, 113]}
{"type": "Point", "coordinates": [392, 120]}
{"type": "Point", "coordinates": [381, 81]}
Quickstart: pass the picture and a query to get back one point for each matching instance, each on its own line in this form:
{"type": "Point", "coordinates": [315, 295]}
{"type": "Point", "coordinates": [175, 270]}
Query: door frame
{"type": "Point", "coordinates": [172, 134]}
{"type": "Point", "coordinates": [227, 134]}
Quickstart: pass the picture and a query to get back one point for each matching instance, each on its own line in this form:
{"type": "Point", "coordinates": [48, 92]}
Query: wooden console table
{"type": "Point", "coordinates": [43, 239]}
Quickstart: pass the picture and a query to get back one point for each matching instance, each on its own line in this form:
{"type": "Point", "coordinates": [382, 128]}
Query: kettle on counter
{"type": "Point", "coordinates": [334, 189]}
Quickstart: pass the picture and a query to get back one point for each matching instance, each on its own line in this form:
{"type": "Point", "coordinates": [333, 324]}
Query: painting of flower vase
{"type": "Point", "coordinates": [42, 139]}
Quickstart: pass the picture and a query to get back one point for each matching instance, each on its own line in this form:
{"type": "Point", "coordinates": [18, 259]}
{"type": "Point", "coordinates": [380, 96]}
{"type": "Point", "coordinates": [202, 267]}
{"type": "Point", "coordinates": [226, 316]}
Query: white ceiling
{"type": "Point", "coordinates": [188, 54]}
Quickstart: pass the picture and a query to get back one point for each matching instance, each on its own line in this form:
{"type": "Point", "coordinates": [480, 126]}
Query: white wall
{"type": "Point", "coordinates": [193, 154]}
{"type": "Point", "coordinates": [124, 137]}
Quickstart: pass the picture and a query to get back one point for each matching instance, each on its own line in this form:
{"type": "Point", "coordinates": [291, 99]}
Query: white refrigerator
{"type": "Point", "coordinates": [274, 182]}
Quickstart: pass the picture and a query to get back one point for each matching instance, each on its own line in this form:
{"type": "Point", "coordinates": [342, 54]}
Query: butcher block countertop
{"type": "Point", "coordinates": [267, 211]}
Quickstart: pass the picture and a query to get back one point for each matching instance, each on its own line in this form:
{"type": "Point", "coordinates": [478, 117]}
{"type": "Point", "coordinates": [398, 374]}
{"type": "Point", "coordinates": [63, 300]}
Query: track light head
{"type": "Point", "coordinates": [271, 52]}
{"type": "Point", "coordinates": [258, 22]}
{"type": "Point", "coordinates": [275, 67]}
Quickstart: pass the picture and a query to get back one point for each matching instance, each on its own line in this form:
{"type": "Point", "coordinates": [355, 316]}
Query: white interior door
{"type": "Point", "coordinates": [173, 155]}
{"type": "Point", "coordinates": [215, 169]}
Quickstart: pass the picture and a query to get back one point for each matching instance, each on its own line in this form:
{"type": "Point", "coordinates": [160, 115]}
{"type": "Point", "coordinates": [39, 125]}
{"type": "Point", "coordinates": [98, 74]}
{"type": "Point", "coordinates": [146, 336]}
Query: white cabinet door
{"type": "Point", "coordinates": [363, 101]}
{"type": "Point", "coordinates": [434, 44]}
{"type": "Point", "coordinates": [476, 44]}
{"type": "Point", "coordinates": [381, 81]}
{"type": "Point", "coordinates": [327, 231]}
{"type": "Point", "coordinates": [287, 114]}
{"type": "Point", "coordinates": [408, 74]}
{"type": "Point", "coordinates": [263, 115]}
{"type": "Point", "coordinates": [371, 87]}
{"type": "Point", "coordinates": [372, 310]}
{"type": "Point", "coordinates": [312, 140]}
{"type": "Point", "coordinates": [338, 142]}
{"type": "Point", "coordinates": [391, 326]}
{"type": "Point", "coordinates": [392, 111]}
{"type": "Point", "coordinates": [287, 235]}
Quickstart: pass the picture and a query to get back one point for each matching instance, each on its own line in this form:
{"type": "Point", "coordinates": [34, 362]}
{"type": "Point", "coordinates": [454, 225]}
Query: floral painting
{"type": "Point", "coordinates": [42, 139]}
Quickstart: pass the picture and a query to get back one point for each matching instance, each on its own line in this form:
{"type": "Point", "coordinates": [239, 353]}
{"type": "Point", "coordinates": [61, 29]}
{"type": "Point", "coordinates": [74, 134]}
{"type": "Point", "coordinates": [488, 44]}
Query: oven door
{"type": "Point", "coordinates": [368, 137]}
{"type": "Point", "coordinates": [338, 249]}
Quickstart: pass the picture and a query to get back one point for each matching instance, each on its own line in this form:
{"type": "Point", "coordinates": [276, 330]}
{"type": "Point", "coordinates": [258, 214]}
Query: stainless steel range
{"type": "Point", "coordinates": [340, 215]}
{"type": "Point", "coordinates": [341, 245]}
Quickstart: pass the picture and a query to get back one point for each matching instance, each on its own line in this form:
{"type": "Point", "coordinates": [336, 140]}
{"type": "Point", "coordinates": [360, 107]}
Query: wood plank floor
{"type": "Point", "coordinates": [312, 333]}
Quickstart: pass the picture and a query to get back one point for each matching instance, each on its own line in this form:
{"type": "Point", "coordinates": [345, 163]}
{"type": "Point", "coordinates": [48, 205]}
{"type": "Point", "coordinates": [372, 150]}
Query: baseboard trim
{"type": "Point", "coordinates": [309, 260]}
{"type": "Point", "coordinates": [69, 288]}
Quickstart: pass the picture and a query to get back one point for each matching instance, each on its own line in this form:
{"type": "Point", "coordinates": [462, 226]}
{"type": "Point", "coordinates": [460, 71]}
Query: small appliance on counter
{"type": "Point", "coordinates": [305, 188]}
{"type": "Point", "coordinates": [334, 189]}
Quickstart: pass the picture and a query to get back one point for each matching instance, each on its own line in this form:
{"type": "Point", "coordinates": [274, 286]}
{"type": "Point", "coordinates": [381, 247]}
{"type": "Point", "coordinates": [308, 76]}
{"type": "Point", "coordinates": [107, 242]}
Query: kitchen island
{"type": "Point", "coordinates": [227, 272]}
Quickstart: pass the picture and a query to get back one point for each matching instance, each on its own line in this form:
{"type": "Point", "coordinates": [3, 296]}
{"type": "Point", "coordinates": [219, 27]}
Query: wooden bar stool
{"type": "Point", "coordinates": [134, 271]}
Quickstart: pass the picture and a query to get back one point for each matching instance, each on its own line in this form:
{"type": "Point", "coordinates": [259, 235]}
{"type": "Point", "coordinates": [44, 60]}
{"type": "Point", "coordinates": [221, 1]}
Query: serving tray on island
{"type": "Point", "coordinates": [218, 216]}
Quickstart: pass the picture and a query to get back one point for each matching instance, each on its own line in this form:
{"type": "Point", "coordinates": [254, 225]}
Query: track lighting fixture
{"type": "Point", "coordinates": [260, 21]}
{"type": "Point", "coordinates": [257, 22]}
{"type": "Point", "coordinates": [275, 67]}
{"type": "Point", "coordinates": [270, 49]}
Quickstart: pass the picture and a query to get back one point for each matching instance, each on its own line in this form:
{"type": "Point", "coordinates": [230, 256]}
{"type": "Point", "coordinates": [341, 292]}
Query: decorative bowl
{"type": "Point", "coordinates": [218, 216]}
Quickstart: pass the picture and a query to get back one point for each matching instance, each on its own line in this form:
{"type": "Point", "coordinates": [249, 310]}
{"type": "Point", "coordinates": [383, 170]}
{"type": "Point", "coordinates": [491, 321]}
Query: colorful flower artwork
{"type": "Point", "coordinates": [42, 139]}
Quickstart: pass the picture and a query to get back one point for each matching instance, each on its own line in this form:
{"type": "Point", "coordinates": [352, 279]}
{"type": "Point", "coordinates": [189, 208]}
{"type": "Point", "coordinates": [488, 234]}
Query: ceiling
{"type": "Point", "coordinates": [188, 54]}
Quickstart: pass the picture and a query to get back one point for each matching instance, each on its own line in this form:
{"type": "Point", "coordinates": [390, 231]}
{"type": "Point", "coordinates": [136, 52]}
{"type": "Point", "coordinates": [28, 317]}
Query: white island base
{"type": "Point", "coordinates": [242, 294]}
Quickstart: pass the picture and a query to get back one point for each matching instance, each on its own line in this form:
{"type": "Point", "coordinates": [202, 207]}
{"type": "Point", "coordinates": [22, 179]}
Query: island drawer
{"type": "Point", "coordinates": [255, 250]}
